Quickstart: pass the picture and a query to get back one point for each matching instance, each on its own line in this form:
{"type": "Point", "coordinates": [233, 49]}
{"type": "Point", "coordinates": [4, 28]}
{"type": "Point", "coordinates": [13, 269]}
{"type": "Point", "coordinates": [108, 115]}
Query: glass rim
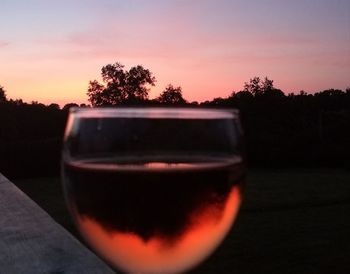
{"type": "Point", "coordinates": [155, 112]}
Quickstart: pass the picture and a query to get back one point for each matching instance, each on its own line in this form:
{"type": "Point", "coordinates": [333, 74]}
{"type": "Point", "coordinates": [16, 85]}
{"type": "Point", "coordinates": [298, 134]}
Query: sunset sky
{"type": "Point", "coordinates": [50, 50]}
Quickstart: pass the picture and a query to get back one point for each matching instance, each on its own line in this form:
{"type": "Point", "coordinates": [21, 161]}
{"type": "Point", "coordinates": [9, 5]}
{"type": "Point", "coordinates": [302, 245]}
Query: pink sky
{"type": "Point", "coordinates": [49, 53]}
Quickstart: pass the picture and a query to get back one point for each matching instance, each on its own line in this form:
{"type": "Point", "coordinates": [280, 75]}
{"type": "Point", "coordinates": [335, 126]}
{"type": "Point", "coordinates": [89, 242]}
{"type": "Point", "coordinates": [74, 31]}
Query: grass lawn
{"type": "Point", "coordinates": [292, 221]}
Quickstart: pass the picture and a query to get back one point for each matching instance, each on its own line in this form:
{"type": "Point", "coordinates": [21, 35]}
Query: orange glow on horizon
{"type": "Point", "coordinates": [61, 49]}
{"type": "Point", "coordinates": [158, 255]}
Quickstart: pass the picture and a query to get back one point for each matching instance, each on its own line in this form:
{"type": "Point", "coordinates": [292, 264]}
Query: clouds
{"type": "Point", "coordinates": [3, 44]}
{"type": "Point", "coordinates": [208, 47]}
{"type": "Point", "coordinates": [178, 31]}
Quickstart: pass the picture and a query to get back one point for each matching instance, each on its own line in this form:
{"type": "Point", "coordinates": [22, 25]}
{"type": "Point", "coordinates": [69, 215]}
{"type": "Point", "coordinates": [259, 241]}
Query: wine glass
{"type": "Point", "coordinates": [153, 190]}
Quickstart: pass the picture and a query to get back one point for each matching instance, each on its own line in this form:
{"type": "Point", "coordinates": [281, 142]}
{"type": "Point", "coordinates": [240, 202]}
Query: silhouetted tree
{"type": "Point", "coordinates": [294, 130]}
{"type": "Point", "coordinates": [243, 95]}
{"type": "Point", "coordinates": [66, 107]}
{"type": "Point", "coordinates": [302, 93]}
{"type": "Point", "coordinates": [2, 94]}
{"type": "Point", "coordinates": [256, 86]}
{"type": "Point", "coordinates": [17, 102]}
{"type": "Point", "coordinates": [267, 85]}
{"type": "Point", "coordinates": [38, 104]}
{"type": "Point", "coordinates": [120, 86]}
{"type": "Point", "coordinates": [136, 80]}
{"type": "Point", "coordinates": [54, 106]}
{"type": "Point", "coordinates": [218, 101]}
{"type": "Point", "coordinates": [171, 95]}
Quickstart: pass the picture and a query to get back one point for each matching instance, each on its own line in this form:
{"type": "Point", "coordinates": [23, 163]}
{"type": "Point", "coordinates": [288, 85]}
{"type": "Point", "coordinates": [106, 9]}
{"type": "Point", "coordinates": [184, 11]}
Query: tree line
{"type": "Point", "coordinates": [125, 87]}
{"type": "Point", "coordinates": [282, 130]}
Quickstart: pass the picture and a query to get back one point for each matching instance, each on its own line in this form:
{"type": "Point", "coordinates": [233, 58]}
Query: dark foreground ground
{"type": "Point", "coordinates": [292, 221]}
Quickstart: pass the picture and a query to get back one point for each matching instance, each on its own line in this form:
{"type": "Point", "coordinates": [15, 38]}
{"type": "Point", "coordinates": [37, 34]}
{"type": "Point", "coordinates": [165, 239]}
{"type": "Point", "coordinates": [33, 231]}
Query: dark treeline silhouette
{"type": "Point", "coordinates": [294, 130]}
{"type": "Point", "coordinates": [30, 139]}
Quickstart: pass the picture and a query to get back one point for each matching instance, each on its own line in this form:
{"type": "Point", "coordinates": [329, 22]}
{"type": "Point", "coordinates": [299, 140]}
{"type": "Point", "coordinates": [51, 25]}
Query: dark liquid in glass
{"type": "Point", "coordinates": [154, 216]}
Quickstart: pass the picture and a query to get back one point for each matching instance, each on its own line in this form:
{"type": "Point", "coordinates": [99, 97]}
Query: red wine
{"type": "Point", "coordinates": [154, 217]}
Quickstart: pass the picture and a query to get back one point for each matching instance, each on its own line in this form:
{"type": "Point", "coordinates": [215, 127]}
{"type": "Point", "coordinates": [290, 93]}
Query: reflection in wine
{"type": "Point", "coordinates": [159, 218]}
{"type": "Point", "coordinates": [158, 254]}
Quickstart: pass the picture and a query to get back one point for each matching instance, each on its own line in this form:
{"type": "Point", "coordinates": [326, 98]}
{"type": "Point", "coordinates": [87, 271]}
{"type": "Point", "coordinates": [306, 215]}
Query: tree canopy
{"type": "Point", "coordinates": [2, 94]}
{"type": "Point", "coordinates": [120, 86]}
{"type": "Point", "coordinates": [280, 130]}
{"type": "Point", "coordinates": [171, 95]}
{"type": "Point", "coordinates": [257, 87]}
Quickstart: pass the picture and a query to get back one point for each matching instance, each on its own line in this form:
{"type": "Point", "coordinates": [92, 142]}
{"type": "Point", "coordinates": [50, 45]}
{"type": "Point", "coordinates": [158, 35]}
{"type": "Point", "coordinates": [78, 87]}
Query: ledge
{"type": "Point", "coordinates": [32, 242]}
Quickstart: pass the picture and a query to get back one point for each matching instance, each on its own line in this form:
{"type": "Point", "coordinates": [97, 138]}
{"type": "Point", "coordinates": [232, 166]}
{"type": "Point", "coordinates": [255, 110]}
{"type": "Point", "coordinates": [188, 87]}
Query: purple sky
{"type": "Point", "coordinates": [49, 50]}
